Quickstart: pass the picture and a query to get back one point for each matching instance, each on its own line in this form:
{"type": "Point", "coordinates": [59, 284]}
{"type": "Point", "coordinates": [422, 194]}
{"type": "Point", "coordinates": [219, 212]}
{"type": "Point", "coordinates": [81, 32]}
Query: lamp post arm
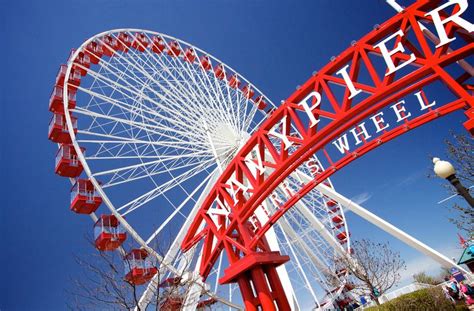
{"type": "Point", "coordinates": [461, 189]}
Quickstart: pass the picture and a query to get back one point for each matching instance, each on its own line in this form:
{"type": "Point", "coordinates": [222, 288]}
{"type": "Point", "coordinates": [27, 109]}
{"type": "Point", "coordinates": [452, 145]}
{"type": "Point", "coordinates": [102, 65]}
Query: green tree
{"type": "Point", "coordinates": [424, 278]}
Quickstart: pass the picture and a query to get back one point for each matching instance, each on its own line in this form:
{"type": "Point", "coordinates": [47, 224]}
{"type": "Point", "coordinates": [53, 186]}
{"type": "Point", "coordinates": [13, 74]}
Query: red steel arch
{"type": "Point", "coordinates": [317, 117]}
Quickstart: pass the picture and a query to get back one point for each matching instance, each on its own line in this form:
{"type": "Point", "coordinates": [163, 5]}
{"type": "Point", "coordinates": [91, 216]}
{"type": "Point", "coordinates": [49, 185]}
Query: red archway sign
{"type": "Point", "coordinates": [381, 87]}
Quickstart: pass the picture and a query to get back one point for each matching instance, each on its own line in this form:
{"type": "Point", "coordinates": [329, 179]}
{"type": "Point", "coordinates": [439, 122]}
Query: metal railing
{"type": "Point", "coordinates": [396, 293]}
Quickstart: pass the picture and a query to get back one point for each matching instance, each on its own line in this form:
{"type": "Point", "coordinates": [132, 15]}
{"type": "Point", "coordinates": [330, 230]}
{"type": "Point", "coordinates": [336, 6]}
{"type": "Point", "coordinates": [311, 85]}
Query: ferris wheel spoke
{"type": "Point", "coordinates": [181, 146]}
{"type": "Point", "coordinates": [222, 107]}
{"type": "Point", "coordinates": [178, 209]}
{"type": "Point", "coordinates": [139, 98]}
{"type": "Point", "coordinates": [130, 173]}
{"type": "Point", "coordinates": [138, 148]}
{"type": "Point", "coordinates": [215, 105]}
{"type": "Point", "coordinates": [109, 155]}
{"type": "Point", "coordinates": [217, 84]}
{"type": "Point", "coordinates": [149, 55]}
{"type": "Point", "coordinates": [149, 129]}
{"type": "Point", "coordinates": [154, 193]}
{"type": "Point", "coordinates": [135, 96]}
{"type": "Point", "coordinates": [146, 74]}
{"type": "Point", "coordinates": [126, 108]}
{"type": "Point", "coordinates": [227, 88]}
{"type": "Point", "coordinates": [185, 86]}
{"type": "Point", "coordinates": [139, 171]}
{"type": "Point", "coordinates": [172, 159]}
{"type": "Point", "coordinates": [115, 118]}
{"type": "Point", "coordinates": [137, 140]}
{"type": "Point", "coordinates": [121, 157]}
{"type": "Point", "coordinates": [193, 91]}
{"type": "Point", "coordinates": [137, 144]}
{"type": "Point", "coordinates": [110, 136]}
{"type": "Point", "coordinates": [217, 94]}
{"type": "Point", "coordinates": [184, 146]}
{"type": "Point", "coordinates": [159, 190]}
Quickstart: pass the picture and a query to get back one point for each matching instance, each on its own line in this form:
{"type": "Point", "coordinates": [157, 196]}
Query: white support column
{"type": "Point", "coordinates": [389, 228]}
{"type": "Point", "coordinates": [152, 287]}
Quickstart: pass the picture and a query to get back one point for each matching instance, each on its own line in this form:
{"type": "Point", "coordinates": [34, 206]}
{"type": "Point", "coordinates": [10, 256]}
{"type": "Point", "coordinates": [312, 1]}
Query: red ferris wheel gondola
{"type": "Point", "coordinates": [108, 233]}
{"type": "Point", "coordinates": [139, 269]}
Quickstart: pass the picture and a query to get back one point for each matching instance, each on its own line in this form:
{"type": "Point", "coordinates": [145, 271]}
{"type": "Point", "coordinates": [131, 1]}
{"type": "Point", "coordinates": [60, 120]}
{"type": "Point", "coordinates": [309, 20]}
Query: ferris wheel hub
{"type": "Point", "coordinates": [227, 141]}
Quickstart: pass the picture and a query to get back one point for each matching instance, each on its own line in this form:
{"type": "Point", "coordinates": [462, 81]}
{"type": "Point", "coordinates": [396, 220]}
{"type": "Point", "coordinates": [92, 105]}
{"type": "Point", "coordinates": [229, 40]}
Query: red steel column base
{"type": "Point", "coordinates": [251, 273]}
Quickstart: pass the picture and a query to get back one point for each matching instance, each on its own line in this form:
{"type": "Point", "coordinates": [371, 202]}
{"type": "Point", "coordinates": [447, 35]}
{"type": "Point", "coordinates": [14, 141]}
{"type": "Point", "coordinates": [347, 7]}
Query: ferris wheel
{"type": "Point", "coordinates": [145, 123]}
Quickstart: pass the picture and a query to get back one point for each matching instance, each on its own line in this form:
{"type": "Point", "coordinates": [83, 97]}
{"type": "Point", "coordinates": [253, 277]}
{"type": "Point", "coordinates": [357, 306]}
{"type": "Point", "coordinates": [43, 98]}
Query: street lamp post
{"type": "Point", "coordinates": [444, 169]}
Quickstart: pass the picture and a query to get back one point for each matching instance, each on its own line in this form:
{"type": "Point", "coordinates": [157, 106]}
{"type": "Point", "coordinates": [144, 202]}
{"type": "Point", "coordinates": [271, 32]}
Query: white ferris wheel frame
{"type": "Point", "coordinates": [109, 203]}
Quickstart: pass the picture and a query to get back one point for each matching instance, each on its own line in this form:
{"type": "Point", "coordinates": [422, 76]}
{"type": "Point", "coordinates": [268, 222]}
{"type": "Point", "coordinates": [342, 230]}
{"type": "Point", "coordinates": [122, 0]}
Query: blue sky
{"type": "Point", "coordinates": [274, 44]}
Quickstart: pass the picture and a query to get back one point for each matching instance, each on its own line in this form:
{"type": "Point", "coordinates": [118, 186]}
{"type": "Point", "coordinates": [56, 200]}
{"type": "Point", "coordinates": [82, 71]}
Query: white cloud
{"type": "Point", "coordinates": [361, 198]}
{"type": "Point", "coordinates": [411, 179]}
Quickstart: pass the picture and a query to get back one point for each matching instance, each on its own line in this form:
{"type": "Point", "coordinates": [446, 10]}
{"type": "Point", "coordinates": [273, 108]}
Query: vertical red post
{"type": "Point", "coordinates": [258, 270]}
{"type": "Point", "coordinates": [262, 289]}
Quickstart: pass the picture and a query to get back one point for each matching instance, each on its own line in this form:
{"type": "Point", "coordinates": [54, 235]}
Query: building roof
{"type": "Point", "coordinates": [468, 255]}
